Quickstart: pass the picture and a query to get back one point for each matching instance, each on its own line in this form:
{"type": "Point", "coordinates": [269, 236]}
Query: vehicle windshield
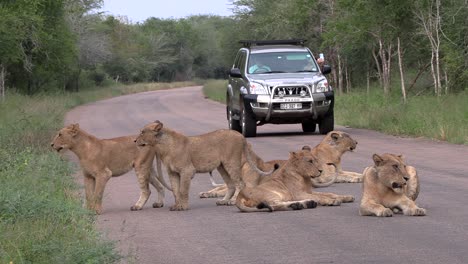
{"type": "Point", "coordinates": [281, 62]}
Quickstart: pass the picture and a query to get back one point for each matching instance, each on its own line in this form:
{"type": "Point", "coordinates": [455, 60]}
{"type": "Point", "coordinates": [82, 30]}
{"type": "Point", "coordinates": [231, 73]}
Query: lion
{"type": "Point", "coordinates": [390, 186]}
{"type": "Point", "coordinates": [330, 150]}
{"type": "Point", "coordinates": [184, 156]}
{"type": "Point", "coordinates": [101, 159]}
{"type": "Point", "coordinates": [289, 188]}
{"type": "Point", "coordinates": [252, 178]}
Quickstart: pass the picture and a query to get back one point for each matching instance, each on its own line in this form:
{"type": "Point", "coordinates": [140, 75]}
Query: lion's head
{"type": "Point", "coordinates": [305, 163]}
{"type": "Point", "coordinates": [66, 137]}
{"type": "Point", "coordinates": [391, 171]}
{"type": "Point", "coordinates": [341, 141]}
{"type": "Point", "coordinates": [148, 134]}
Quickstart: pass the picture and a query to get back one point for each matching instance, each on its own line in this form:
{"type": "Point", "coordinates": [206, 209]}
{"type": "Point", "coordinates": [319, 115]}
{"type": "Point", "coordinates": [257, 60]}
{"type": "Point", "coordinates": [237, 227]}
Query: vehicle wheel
{"type": "Point", "coordinates": [326, 124]}
{"type": "Point", "coordinates": [308, 126]}
{"type": "Point", "coordinates": [233, 123]}
{"type": "Point", "coordinates": [248, 124]}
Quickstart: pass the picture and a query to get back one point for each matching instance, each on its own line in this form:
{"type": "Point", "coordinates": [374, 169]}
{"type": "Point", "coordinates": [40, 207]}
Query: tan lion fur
{"type": "Point", "coordinates": [101, 159]}
{"type": "Point", "coordinates": [289, 188]}
{"type": "Point", "coordinates": [329, 151]}
{"type": "Point", "coordinates": [184, 156]}
{"type": "Point", "coordinates": [390, 186]}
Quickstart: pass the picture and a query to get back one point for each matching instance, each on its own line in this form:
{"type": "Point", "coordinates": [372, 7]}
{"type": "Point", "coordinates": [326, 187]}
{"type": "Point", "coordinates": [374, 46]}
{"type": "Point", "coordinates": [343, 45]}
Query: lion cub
{"type": "Point", "coordinates": [390, 185]}
{"type": "Point", "coordinates": [101, 159]}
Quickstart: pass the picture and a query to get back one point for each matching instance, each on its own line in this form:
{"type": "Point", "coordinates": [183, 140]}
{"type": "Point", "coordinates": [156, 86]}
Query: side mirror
{"type": "Point", "coordinates": [235, 72]}
{"type": "Point", "coordinates": [326, 69]}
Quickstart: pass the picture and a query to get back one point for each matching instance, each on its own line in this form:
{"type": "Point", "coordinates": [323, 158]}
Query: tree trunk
{"type": "Point", "coordinates": [400, 64]}
{"type": "Point", "coordinates": [340, 75]}
{"type": "Point", "coordinates": [2, 81]}
{"type": "Point", "coordinates": [377, 64]}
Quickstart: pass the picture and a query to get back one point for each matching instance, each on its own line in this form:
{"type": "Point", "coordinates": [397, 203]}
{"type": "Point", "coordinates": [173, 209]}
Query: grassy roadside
{"type": "Point", "coordinates": [444, 118]}
{"type": "Point", "coordinates": [42, 219]}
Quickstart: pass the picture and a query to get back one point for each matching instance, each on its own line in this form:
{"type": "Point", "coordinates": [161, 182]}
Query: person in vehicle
{"type": "Point", "coordinates": [258, 66]}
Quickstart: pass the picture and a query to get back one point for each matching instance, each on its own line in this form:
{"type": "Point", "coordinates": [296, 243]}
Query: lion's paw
{"type": "Point", "coordinates": [296, 206]}
{"type": "Point", "coordinates": [223, 202]}
{"type": "Point", "coordinates": [178, 207]}
{"type": "Point", "coordinates": [158, 205]}
{"type": "Point", "coordinates": [385, 213]}
{"type": "Point", "coordinates": [417, 212]}
{"type": "Point", "coordinates": [135, 208]}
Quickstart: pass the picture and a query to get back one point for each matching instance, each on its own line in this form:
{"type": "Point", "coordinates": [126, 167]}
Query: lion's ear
{"type": "Point", "coordinates": [335, 136]}
{"type": "Point", "coordinates": [292, 154]}
{"type": "Point", "coordinates": [74, 128]}
{"type": "Point", "coordinates": [377, 160]}
{"type": "Point", "coordinates": [158, 126]}
{"type": "Point", "coordinates": [401, 156]}
{"type": "Point", "coordinates": [306, 148]}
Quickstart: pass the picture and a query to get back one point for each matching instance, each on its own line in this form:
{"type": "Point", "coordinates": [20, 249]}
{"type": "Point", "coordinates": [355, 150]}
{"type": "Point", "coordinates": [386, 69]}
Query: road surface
{"type": "Point", "coordinates": [218, 234]}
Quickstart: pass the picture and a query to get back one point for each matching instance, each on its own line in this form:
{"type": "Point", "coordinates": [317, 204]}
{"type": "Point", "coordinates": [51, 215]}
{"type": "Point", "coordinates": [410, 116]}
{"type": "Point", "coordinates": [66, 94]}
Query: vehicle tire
{"type": "Point", "coordinates": [233, 123]}
{"type": "Point", "coordinates": [248, 124]}
{"type": "Point", "coordinates": [309, 126]}
{"type": "Point", "coordinates": [326, 124]}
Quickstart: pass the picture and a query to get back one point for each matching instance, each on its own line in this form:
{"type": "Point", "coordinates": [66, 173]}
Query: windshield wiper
{"type": "Point", "coordinates": [306, 71]}
{"type": "Point", "coordinates": [274, 72]}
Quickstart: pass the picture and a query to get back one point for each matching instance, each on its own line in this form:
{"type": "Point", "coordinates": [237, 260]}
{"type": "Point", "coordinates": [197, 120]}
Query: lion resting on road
{"type": "Point", "coordinates": [289, 188]}
{"type": "Point", "coordinates": [101, 159]}
{"type": "Point", "coordinates": [330, 150]}
{"type": "Point", "coordinates": [252, 178]}
{"type": "Point", "coordinates": [184, 156]}
{"type": "Point", "coordinates": [390, 185]}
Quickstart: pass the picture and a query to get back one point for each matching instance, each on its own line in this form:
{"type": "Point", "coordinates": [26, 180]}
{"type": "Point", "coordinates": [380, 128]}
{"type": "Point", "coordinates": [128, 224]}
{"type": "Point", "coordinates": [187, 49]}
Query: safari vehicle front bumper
{"type": "Point", "coordinates": [271, 108]}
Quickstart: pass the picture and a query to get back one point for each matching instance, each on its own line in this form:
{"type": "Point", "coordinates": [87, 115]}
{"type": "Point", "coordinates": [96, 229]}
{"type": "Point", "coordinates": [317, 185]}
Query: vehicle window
{"type": "Point", "coordinates": [281, 62]}
{"type": "Point", "coordinates": [242, 60]}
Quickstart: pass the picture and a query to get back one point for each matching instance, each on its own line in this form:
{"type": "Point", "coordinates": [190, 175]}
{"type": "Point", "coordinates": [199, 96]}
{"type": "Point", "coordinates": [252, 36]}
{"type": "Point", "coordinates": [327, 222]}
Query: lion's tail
{"type": "Point", "coordinates": [159, 174]}
{"type": "Point", "coordinates": [248, 156]}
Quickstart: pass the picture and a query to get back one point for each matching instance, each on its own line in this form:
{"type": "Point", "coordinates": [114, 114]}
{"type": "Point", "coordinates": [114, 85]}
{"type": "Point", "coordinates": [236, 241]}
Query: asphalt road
{"type": "Point", "coordinates": [218, 234]}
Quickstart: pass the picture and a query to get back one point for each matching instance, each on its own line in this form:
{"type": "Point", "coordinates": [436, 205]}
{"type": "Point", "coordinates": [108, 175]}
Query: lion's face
{"type": "Point", "coordinates": [391, 171]}
{"type": "Point", "coordinates": [65, 138]}
{"type": "Point", "coordinates": [148, 135]}
{"type": "Point", "coordinates": [342, 140]}
{"type": "Point", "coordinates": [305, 164]}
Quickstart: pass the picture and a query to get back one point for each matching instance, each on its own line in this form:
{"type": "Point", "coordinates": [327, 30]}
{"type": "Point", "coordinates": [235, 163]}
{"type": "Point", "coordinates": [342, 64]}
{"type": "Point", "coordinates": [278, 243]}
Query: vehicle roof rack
{"type": "Point", "coordinates": [249, 43]}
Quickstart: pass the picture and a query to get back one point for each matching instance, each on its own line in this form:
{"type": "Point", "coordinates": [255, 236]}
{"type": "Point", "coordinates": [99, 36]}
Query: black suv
{"type": "Point", "coordinates": [278, 82]}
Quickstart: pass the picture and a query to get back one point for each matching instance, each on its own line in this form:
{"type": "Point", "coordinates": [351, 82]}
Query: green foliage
{"type": "Point", "coordinates": [437, 118]}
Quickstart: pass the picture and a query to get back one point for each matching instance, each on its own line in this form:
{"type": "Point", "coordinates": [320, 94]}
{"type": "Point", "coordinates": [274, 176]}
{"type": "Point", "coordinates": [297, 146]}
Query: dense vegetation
{"type": "Point", "coordinates": [419, 45]}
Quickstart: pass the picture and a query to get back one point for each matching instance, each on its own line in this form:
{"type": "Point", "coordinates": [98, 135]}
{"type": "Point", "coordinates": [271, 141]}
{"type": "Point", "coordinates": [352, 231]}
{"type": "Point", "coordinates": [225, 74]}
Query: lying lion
{"type": "Point", "coordinates": [252, 178]}
{"type": "Point", "coordinates": [390, 185]}
{"type": "Point", "coordinates": [289, 188]}
{"type": "Point", "coordinates": [330, 150]}
{"type": "Point", "coordinates": [184, 156]}
{"type": "Point", "coordinates": [101, 159]}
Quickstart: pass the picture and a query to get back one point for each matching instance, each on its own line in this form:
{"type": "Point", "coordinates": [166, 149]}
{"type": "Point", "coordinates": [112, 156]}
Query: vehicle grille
{"type": "Point", "coordinates": [289, 91]}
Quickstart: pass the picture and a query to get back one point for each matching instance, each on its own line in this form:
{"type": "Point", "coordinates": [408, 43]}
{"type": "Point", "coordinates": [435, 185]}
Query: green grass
{"type": "Point", "coordinates": [216, 90]}
{"type": "Point", "coordinates": [444, 118]}
{"type": "Point", "coordinates": [42, 219]}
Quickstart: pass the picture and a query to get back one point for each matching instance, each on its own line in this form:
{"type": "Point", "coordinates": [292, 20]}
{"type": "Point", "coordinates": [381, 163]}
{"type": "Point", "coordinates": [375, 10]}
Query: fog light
{"type": "Point", "coordinates": [254, 104]}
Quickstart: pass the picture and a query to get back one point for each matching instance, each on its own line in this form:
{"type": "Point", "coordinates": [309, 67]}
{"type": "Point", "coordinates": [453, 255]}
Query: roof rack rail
{"type": "Point", "coordinates": [249, 43]}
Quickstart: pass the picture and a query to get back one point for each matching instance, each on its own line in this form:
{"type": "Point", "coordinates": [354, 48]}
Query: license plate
{"type": "Point", "coordinates": [291, 106]}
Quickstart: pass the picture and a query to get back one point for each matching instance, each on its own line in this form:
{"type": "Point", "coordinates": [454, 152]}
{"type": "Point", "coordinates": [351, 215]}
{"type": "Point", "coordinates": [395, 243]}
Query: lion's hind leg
{"type": "Point", "coordinates": [348, 177]}
{"type": "Point", "coordinates": [215, 192]}
{"type": "Point", "coordinates": [293, 205]}
{"type": "Point", "coordinates": [159, 188]}
{"type": "Point", "coordinates": [232, 188]}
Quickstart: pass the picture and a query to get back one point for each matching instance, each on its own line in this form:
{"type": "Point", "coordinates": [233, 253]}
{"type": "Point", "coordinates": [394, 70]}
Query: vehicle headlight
{"type": "Point", "coordinates": [322, 86]}
{"type": "Point", "coordinates": [257, 88]}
